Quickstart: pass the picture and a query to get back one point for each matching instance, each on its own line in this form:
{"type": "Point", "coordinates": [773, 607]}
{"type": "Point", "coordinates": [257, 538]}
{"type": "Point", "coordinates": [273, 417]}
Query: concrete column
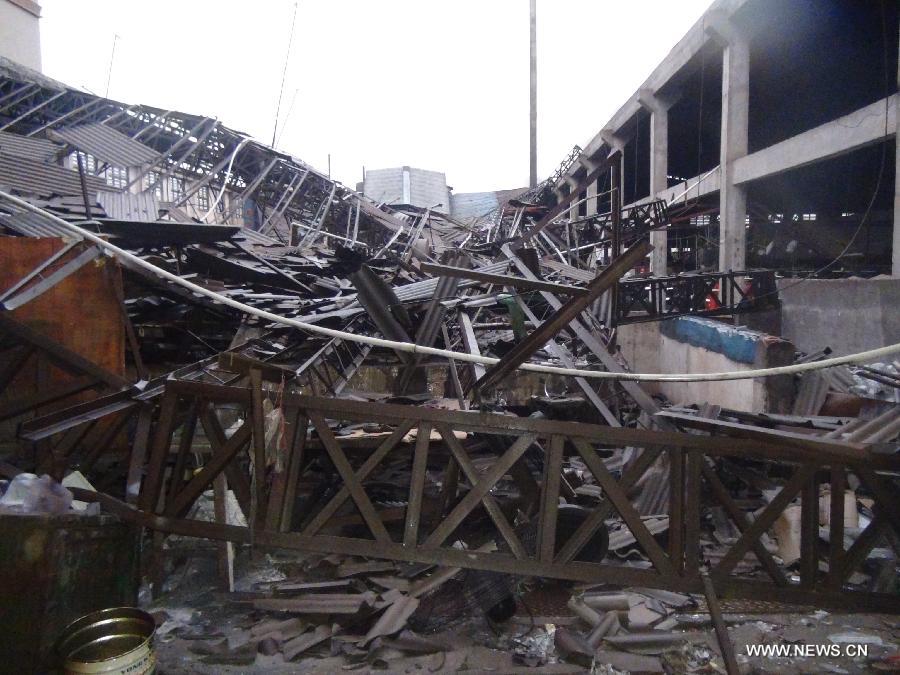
{"type": "Point", "coordinates": [735, 116]}
{"type": "Point", "coordinates": [573, 187]}
{"type": "Point", "coordinates": [659, 171]}
{"type": "Point", "coordinates": [592, 197]}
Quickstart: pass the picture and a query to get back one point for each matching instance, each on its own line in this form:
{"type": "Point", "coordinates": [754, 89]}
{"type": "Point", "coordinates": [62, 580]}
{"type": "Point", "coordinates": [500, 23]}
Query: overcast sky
{"type": "Point", "coordinates": [435, 84]}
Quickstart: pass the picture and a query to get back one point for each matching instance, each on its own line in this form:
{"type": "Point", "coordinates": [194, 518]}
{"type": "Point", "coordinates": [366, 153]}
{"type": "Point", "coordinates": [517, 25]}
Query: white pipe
{"type": "Point", "coordinates": [413, 348]}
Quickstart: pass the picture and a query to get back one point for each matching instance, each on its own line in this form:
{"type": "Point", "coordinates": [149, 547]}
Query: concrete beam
{"type": "Point", "coordinates": [859, 129]}
{"type": "Point", "coordinates": [693, 188]}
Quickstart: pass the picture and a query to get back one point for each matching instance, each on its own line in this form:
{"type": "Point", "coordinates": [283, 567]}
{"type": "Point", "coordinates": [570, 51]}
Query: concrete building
{"type": "Point", "coordinates": [770, 128]}
{"type": "Point", "coordinates": [768, 112]}
{"type": "Point", "coordinates": [406, 185]}
{"type": "Point", "coordinates": [20, 35]}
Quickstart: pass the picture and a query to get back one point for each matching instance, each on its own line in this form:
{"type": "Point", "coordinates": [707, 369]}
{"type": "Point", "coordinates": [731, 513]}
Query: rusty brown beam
{"type": "Point", "coordinates": [563, 316]}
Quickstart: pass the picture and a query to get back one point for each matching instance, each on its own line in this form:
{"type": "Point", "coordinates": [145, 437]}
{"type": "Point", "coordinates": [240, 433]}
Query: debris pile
{"type": "Point", "coordinates": [231, 346]}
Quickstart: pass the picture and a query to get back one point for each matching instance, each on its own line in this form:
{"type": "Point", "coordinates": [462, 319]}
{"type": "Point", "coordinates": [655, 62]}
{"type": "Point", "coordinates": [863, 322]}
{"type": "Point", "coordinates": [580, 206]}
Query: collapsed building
{"type": "Point", "coordinates": [208, 340]}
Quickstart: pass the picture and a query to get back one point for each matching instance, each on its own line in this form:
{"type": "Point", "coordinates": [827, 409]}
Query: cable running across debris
{"type": "Point", "coordinates": [446, 353]}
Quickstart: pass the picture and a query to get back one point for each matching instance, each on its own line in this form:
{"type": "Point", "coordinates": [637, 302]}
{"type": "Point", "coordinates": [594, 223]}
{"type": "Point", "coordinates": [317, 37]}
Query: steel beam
{"type": "Point", "coordinates": [563, 316]}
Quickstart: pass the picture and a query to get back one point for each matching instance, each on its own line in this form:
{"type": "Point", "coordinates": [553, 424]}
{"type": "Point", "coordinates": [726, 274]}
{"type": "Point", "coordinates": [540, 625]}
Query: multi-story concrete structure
{"type": "Point", "coordinates": [769, 113]}
{"type": "Point", "coordinates": [770, 130]}
{"type": "Point", "coordinates": [20, 36]}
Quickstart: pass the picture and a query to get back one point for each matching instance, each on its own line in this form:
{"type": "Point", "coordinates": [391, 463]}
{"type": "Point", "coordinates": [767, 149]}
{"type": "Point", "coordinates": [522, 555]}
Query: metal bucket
{"type": "Point", "coordinates": [118, 641]}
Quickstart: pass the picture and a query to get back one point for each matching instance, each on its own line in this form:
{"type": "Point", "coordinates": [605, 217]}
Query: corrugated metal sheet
{"type": "Point", "coordinates": [107, 145]}
{"type": "Point", "coordinates": [31, 224]}
{"type": "Point", "coordinates": [22, 146]}
{"type": "Point", "coordinates": [127, 206]}
{"type": "Point", "coordinates": [257, 239]}
{"type": "Point", "coordinates": [29, 175]}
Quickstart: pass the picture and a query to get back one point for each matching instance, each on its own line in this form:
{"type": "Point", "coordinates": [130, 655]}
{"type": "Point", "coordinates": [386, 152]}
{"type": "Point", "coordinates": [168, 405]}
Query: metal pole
{"type": "Point", "coordinates": [532, 180]}
{"type": "Point", "coordinates": [615, 206]}
{"type": "Point", "coordinates": [112, 58]}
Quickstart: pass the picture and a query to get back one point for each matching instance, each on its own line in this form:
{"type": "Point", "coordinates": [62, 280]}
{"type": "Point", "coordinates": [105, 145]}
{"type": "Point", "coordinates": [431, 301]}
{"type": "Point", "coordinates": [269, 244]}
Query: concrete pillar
{"type": "Point", "coordinates": [573, 187]}
{"type": "Point", "coordinates": [659, 171]}
{"type": "Point", "coordinates": [591, 194]}
{"type": "Point", "coordinates": [734, 137]}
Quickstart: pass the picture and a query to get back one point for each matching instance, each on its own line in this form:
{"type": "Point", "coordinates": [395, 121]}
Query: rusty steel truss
{"type": "Point", "coordinates": [285, 510]}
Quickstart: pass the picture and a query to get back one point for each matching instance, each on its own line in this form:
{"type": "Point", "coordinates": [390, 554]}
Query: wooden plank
{"type": "Point", "coordinates": [763, 521]}
{"type": "Point", "coordinates": [368, 466]}
{"type": "Point", "coordinates": [620, 501]}
{"type": "Point", "coordinates": [529, 491]}
{"type": "Point", "coordinates": [495, 561]}
{"type": "Point", "coordinates": [139, 454]}
{"type": "Point", "coordinates": [861, 547]}
{"type": "Point", "coordinates": [725, 644]}
{"type": "Point", "coordinates": [692, 488]}
{"type": "Point", "coordinates": [345, 470]}
{"type": "Point", "coordinates": [676, 508]}
{"type": "Point", "coordinates": [200, 482]}
{"type": "Point", "coordinates": [885, 501]}
{"type": "Point", "coordinates": [417, 486]}
{"type": "Point", "coordinates": [836, 526]}
{"type": "Point", "coordinates": [550, 500]}
{"type": "Point", "coordinates": [810, 447]}
{"type": "Point", "coordinates": [504, 424]}
{"type": "Point", "coordinates": [809, 532]}
{"type": "Point", "coordinates": [742, 522]}
{"type": "Point", "coordinates": [185, 442]}
{"type": "Point", "coordinates": [297, 431]}
{"type": "Point", "coordinates": [239, 363]}
{"type": "Point", "coordinates": [596, 519]}
{"type": "Point", "coordinates": [236, 477]}
{"type": "Point", "coordinates": [449, 488]}
{"type": "Point", "coordinates": [159, 453]}
{"type": "Point", "coordinates": [481, 487]}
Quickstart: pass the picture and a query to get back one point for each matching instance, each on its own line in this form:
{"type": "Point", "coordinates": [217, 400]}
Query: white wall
{"type": "Point", "coordinates": [647, 350]}
{"type": "Point", "coordinates": [20, 36]}
{"type": "Point", "coordinates": [406, 185]}
{"type": "Point", "coordinates": [384, 185]}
